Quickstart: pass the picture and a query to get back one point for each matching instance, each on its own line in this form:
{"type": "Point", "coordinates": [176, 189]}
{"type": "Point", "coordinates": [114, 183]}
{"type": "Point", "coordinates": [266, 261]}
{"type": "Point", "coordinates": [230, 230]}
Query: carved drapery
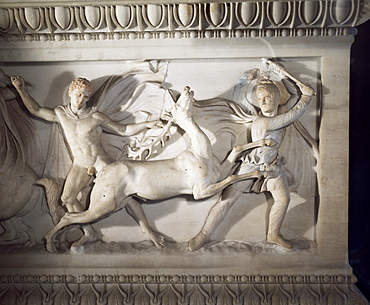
{"type": "Point", "coordinates": [34, 23]}
{"type": "Point", "coordinates": [190, 20]}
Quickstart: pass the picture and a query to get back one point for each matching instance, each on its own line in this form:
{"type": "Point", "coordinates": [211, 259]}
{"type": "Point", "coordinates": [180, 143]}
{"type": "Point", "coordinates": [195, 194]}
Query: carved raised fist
{"type": "Point", "coordinates": [270, 142]}
{"type": "Point", "coordinates": [277, 68]}
{"type": "Point", "coordinates": [18, 82]}
{"type": "Point", "coordinates": [91, 170]}
{"type": "Point", "coordinates": [306, 89]}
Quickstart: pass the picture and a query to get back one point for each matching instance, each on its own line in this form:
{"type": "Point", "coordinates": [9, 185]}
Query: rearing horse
{"type": "Point", "coordinates": [195, 171]}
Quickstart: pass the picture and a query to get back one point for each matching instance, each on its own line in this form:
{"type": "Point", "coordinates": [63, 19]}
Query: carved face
{"type": "Point", "coordinates": [79, 98]}
{"type": "Point", "coordinates": [267, 101]}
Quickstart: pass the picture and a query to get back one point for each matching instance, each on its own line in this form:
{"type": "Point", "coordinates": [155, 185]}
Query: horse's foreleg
{"type": "Point", "coordinates": [200, 145]}
{"type": "Point", "coordinates": [212, 189]}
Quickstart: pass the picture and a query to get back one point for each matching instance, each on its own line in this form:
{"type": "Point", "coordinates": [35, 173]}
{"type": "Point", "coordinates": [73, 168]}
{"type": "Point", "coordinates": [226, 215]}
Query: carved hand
{"type": "Point", "coordinates": [154, 124]}
{"type": "Point", "coordinates": [270, 142]}
{"type": "Point", "coordinates": [18, 82]}
{"type": "Point", "coordinates": [166, 116]}
{"type": "Point", "coordinates": [91, 170]}
{"type": "Point", "coordinates": [277, 68]}
{"type": "Point", "coordinates": [306, 89]}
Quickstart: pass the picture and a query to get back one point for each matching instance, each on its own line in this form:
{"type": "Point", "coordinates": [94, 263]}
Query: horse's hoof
{"type": "Point", "coordinates": [51, 248]}
{"type": "Point", "coordinates": [49, 245]}
{"type": "Point", "coordinates": [197, 242]}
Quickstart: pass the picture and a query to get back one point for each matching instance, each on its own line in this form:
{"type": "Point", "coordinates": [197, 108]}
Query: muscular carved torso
{"type": "Point", "coordinates": [84, 138]}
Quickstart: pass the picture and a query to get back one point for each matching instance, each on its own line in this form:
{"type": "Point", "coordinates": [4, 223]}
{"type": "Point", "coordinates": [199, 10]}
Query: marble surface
{"type": "Point", "coordinates": [209, 55]}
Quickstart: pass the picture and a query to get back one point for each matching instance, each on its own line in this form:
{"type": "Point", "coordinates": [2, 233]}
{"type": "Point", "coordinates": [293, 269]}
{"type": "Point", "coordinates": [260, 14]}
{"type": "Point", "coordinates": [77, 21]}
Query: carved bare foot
{"type": "Point", "coordinates": [279, 240]}
{"type": "Point", "coordinates": [183, 107]}
{"type": "Point", "coordinates": [157, 238]}
{"type": "Point", "coordinates": [197, 241]}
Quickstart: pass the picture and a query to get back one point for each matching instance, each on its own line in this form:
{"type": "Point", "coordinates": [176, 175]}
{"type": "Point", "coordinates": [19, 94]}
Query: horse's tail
{"type": "Point", "coordinates": [52, 191]}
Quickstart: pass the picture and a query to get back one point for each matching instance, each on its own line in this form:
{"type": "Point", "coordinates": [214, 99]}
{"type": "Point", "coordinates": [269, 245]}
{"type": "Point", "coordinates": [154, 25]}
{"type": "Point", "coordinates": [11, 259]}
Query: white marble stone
{"type": "Point", "coordinates": [206, 46]}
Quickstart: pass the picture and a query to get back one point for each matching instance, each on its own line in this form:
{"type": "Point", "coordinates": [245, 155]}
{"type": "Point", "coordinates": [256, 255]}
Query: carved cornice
{"type": "Point", "coordinates": [66, 21]}
{"type": "Point", "coordinates": [178, 289]}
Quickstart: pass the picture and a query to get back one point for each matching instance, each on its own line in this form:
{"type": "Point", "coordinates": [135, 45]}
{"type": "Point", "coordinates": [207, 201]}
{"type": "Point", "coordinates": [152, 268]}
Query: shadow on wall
{"type": "Point", "coordinates": [359, 208]}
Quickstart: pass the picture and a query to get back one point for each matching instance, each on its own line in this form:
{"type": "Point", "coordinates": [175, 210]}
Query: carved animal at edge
{"type": "Point", "coordinates": [18, 179]}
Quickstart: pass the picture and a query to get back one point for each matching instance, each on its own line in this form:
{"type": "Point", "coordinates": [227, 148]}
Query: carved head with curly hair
{"type": "Point", "coordinates": [80, 83]}
{"type": "Point", "coordinates": [80, 91]}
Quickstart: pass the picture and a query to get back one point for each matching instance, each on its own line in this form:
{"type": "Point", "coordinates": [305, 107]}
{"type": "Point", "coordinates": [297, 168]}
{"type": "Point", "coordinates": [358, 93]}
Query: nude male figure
{"type": "Point", "coordinates": [83, 128]}
{"type": "Point", "coordinates": [194, 171]}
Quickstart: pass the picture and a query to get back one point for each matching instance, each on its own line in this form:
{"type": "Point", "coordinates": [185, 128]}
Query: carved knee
{"type": "Point", "coordinates": [66, 199]}
{"type": "Point", "coordinates": [70, 203]}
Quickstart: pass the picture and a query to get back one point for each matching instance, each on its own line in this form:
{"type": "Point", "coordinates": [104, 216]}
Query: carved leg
{"type": "Point", "coordinates": [227, 165]}
{"type": "Point", "coordinates": [199, 142]}
{"type": "Point", "coordinates": [217, 213]}
{"type": "Point", "coordinates": [69, 219]}
{"type": "Point", "coordinates": [201, 192]}
{"type": "Point", "coordinates": [16, 232]}
{"type": "Point", "coordinates": [26, 232]}
{"type": "Point", "coordinates": [237, 150]}
{"type": "Point", "coordinates": [89, 236]}
{"type": "Point", "coordinates": [281, 196]}
{"type": "Point", "coordinates": [102, 203]}
{"type": "Point", "coordinates": [66, 220]}
{"type": "Point", "coordinates": [183, 108]}
{"type": "Point", "coordinates": [136, 211]}
{"type": "Point", "coordinates": [76, 180]}
{"type": "Point", "coordinates": [10, 231]}
{"type": "Point", "coordinates": [52, 192]}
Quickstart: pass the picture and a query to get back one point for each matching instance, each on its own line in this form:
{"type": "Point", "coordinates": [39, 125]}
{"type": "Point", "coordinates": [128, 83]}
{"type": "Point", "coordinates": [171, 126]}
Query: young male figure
{"type": "Point", "coordinates": [269, 124]}
{"type": "Point", "coordinates": [83, 128]}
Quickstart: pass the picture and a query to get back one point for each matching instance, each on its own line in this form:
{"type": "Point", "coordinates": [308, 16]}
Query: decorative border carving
{"type": "Point", "coordinates": [29, 23]}
{"type": "Point", "coordinates": [178, 35]}
{"type": "Point", "coordinates": [178, 289]}
{"type": "Point", "coordinates": [174, 279]}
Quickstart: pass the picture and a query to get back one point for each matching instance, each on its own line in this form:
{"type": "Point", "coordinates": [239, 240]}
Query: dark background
{"type": "Point", "coordinates": [359, 176]}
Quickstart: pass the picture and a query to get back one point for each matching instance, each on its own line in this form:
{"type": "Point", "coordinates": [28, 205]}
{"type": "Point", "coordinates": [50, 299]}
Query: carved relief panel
{"type": "Point", "coordinates": [219, 130]}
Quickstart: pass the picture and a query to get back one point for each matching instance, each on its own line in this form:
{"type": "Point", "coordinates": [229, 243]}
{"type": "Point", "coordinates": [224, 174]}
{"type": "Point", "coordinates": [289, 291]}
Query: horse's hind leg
{"type": "Point", "coordinates": [136, 211]}
{"type": "Point", "coordinates": [101, 205]}
{"type": "Point", "coordinates": [66, 220]}
{"type": "Point", "coordinates": [212, 189]}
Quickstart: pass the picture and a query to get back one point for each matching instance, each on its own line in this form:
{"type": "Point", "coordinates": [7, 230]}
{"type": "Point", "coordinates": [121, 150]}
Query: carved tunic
{"type": "Point", "coordinates": [268, 158]}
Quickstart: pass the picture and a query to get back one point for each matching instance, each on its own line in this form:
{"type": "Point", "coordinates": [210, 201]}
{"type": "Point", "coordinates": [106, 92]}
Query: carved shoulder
{"type": "Point", "coordinates": [100, 116]}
